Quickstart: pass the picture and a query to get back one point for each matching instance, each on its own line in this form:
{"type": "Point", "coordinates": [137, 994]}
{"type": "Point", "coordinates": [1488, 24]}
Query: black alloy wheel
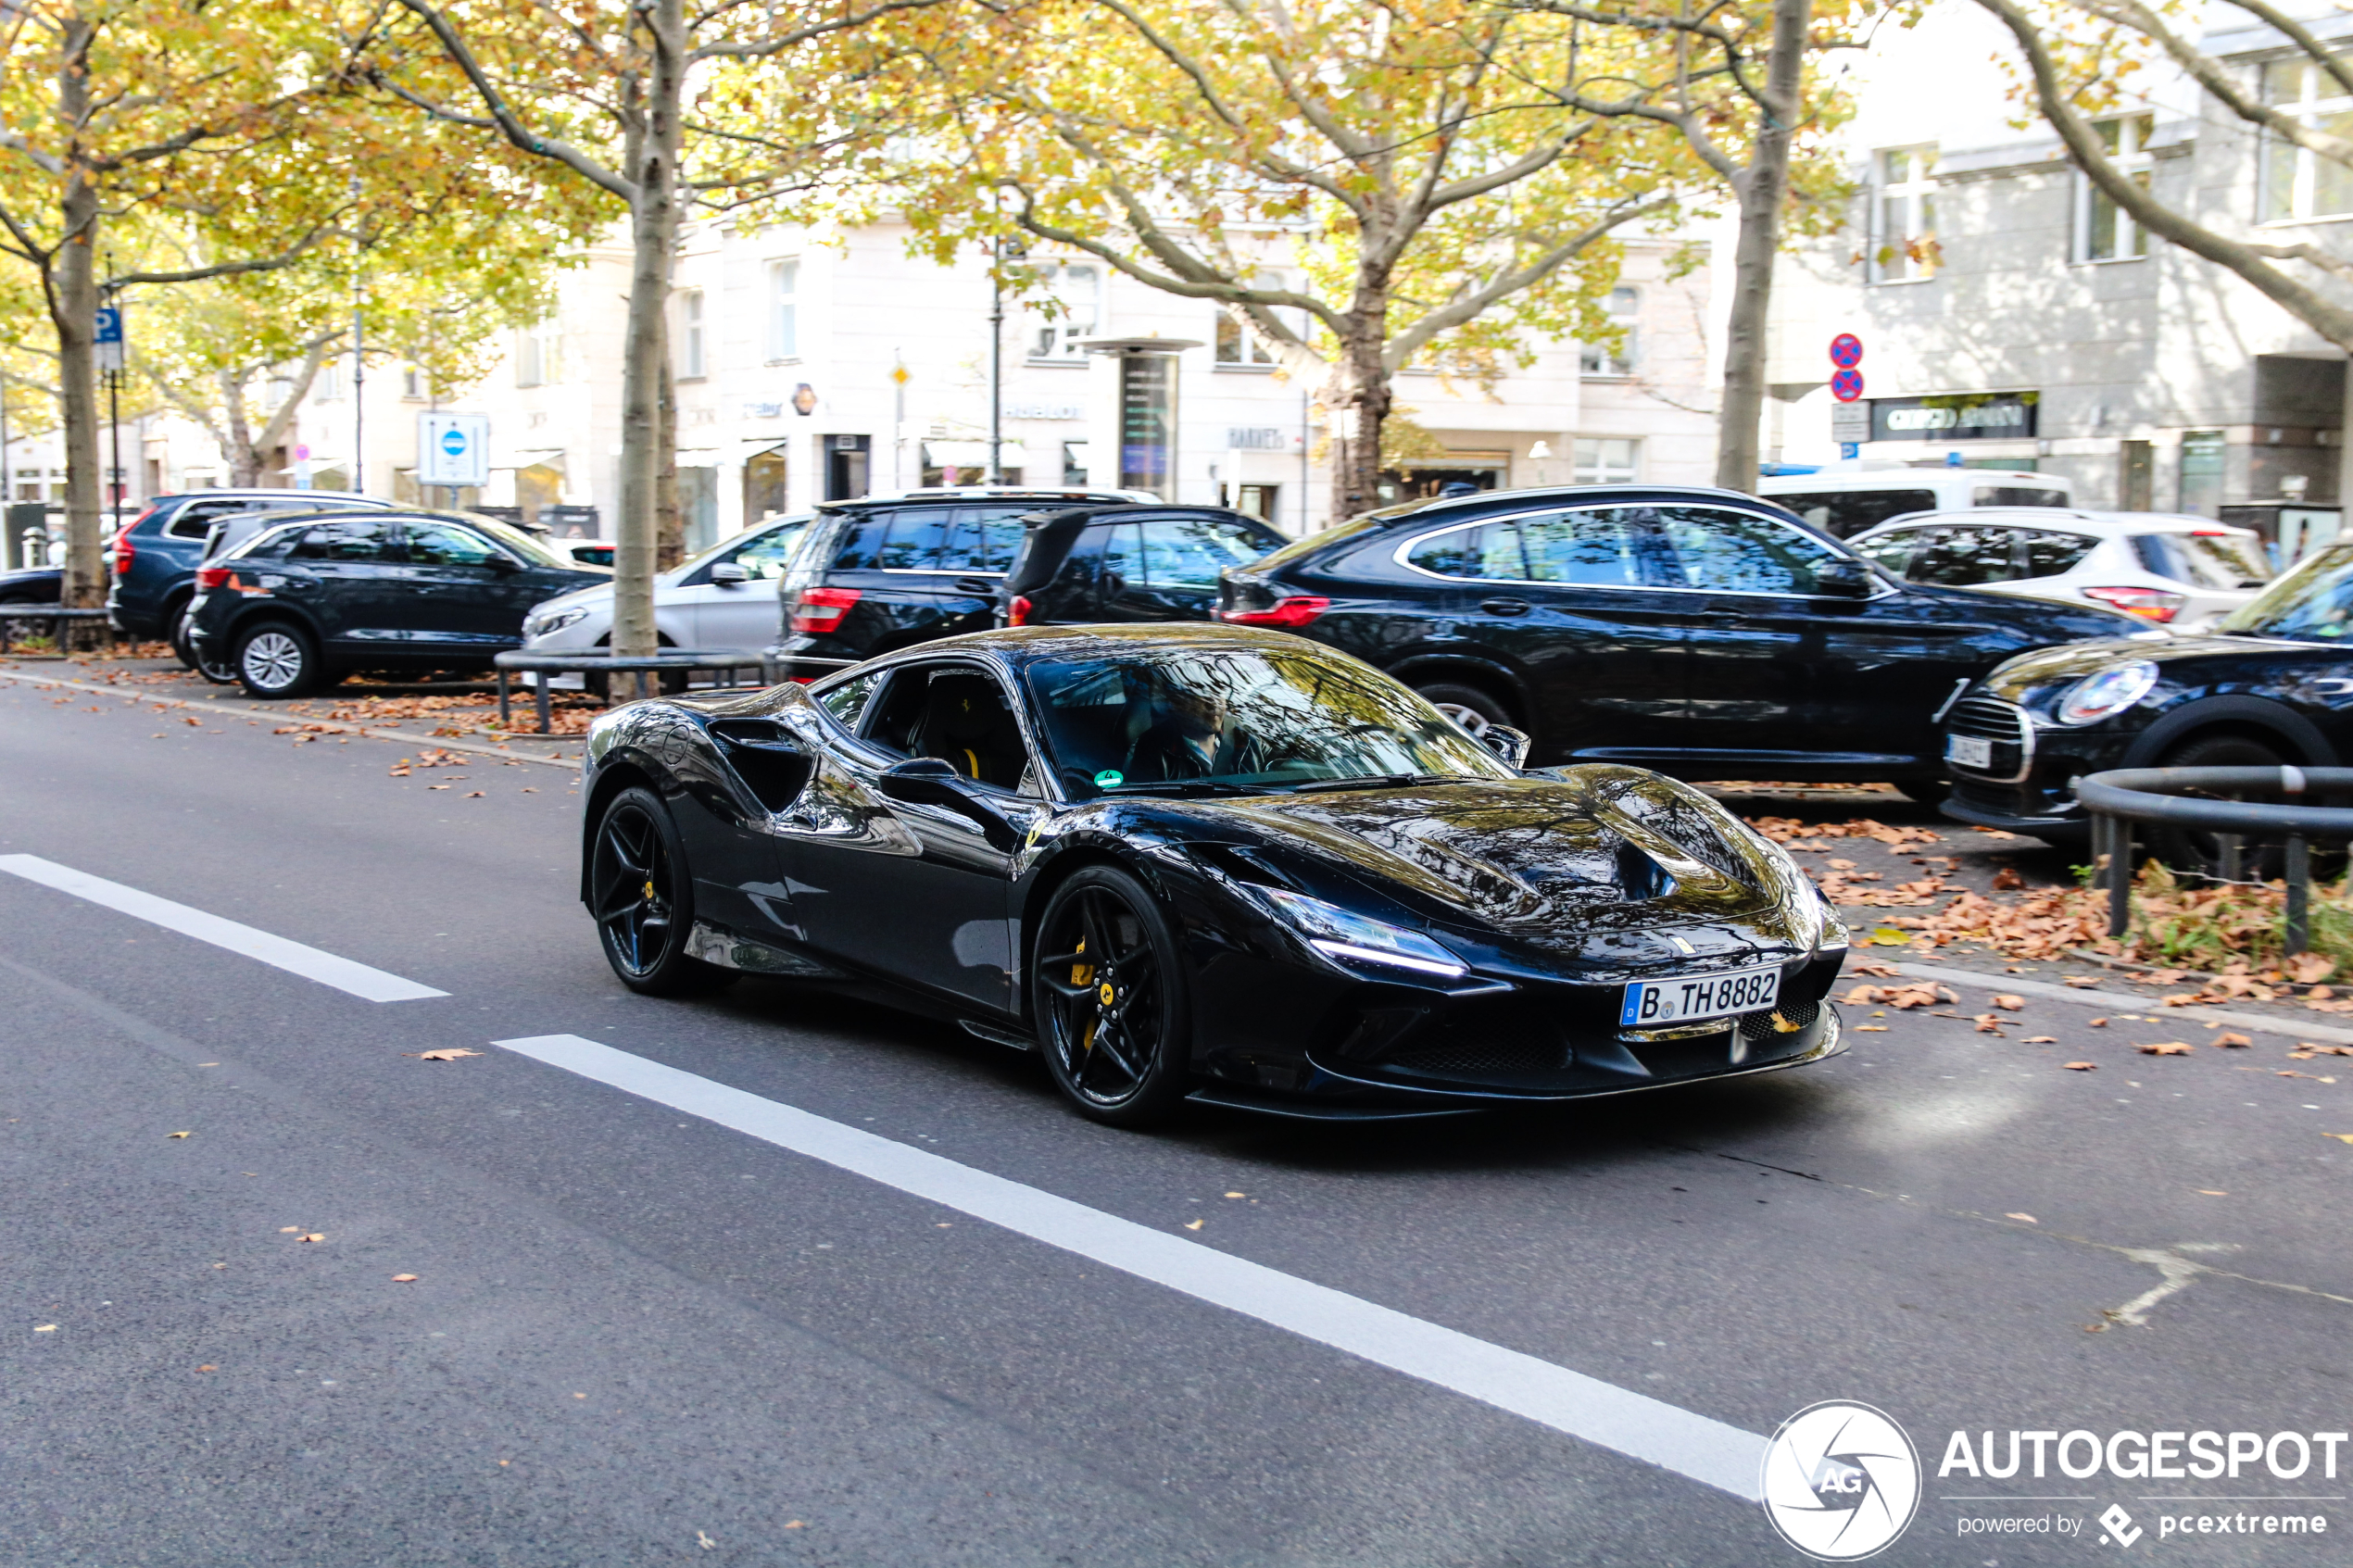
{"type": "Point", "coordinates": [1109, 999]}
{"type": "Point", "coordinates": [276, 660]}
{"type": "Point", "coordinates": [1468, 705]}
{"type": "Point", "coordinates": [642, 894]}
{"type": "Point", "coordinates": [2203, 853]}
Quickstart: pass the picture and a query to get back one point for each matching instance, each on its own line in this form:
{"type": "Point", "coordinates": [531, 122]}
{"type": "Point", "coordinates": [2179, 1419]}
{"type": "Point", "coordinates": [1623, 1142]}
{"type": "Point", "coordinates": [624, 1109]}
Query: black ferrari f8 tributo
{"type": "Point", "coordinates": [1210, 862]}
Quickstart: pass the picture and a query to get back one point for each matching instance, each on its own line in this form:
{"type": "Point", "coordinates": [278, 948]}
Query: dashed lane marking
{"type": "Point", "coordinates": [344, 974]}
{"type": "Point", "coordinates": [1695, 1445]}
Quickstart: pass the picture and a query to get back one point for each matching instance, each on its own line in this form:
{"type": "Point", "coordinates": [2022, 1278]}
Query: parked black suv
{"type": "Point", "coordinates": [156, 555]}
{"type": "Point", "coordinates": [873, 576]}
{"type": "Point", "coordinates": [307, 602]}
{"type": "Point", "coordinates": [1703, 633]}
{"type": "Point", "coordinates": [1094, 564]}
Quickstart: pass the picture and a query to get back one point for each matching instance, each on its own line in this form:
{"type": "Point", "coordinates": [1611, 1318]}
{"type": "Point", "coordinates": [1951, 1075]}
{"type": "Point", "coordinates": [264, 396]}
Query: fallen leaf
{"type": "Point", "coordinates": [2096, 1328]}
{"type": "Point", "coordinates": [1987, 1022]}
{"type": "Point", "coordinates": [436, 786]}
{"type": "Point", "coordinates": [1842, 865]}
{"type": "Point", "coordinates": [2231, 1042]}
{"type": "Point", "coordinates": [473, 794]}
{"type": "Point", "coordinates": [1875, 967]}
{"type": "Point", "coordinates": [314, 1235]}
{"type": "Point", "coordinates": [1195, 1226]}
{"type": "Point", "coordinates": [1888, 936]}
{"type": "Point", "coordinates": [1870, 1029]}
{"type": "Point", "coordinates": [52, 1328]}
{"type": "Point", "coordinates": [2008, 880]}
{"type": "Point", "coordinates": [2314, 1077]}
{"type": "Point", "coordinates": [404, 1279]}
{"type": "Point", "coordinates": [1237, 1194]}
{"type": "Point", "coordinates": [208, 1367]}
{"type": "Point", "coordinates": [289, 1230]}
{"type": "Point", "coordinates": [2210, 1192]}
{"type": "Point", "coordinates": [2041, 1039]}
{"type": "Point", "coordinates": [2083, 981]}
{"type": "Point", "coordinates": [2168, 1048]}
{"type": "Point", "coordinates": [2028, 1218]}
{"type": "Point", "coordinates": [2341, 1138]}
{"type": "Point", "coordinates": [2009, 1003]}
{"type": "Point", "coordinates": [794, 1525]}
{"type": "Point", "coordinates": [2080, 1066]}
{"type": "Point", "coordinates": [2308, 969]}
{"type": "Point", "coordinates": [450, 1053]}
{"type": "Point", "coordinates": [178, 1134]}
{"type": "Point", "coordinates": [704, 1541]}
{"type": "Point", "coordinates": [2099, 1024]}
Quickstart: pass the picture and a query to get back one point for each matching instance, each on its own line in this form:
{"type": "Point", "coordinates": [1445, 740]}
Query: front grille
{"type": "Point", "coordinates": [1460, 1054]}
{"type": "Point", "coordinates": [1760, 1029]}
{"type": "Point", "coordinates": [2006, 725]}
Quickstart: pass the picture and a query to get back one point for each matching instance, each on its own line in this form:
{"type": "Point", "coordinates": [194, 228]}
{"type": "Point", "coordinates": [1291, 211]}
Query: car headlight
{"type": "Point", "coordinates": [2110, 691]}
{"type": "Point", "coordinates": [1357, 939]}
{"type": "Point", "coordinates": [555, 620]}
{"type": "Point", "coordinates": [1834, 936]}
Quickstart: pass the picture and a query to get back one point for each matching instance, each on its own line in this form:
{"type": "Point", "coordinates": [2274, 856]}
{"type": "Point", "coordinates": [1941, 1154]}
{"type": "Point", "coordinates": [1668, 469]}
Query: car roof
{"type": "Point", "coordinates": [2106, 525]}
{"type": "Point", "coordinates": [1439, 508]}
{"type": "Point", "coordinates": [1020, 645]}
{"type": "Point", "coordinates": [983, 492]}
{"type": "Point", "coordinates": [1903, 478]}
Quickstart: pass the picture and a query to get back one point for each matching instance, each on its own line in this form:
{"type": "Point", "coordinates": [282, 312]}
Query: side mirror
{"type": "Point", "coordinates": [727, 574]}
{"type": "Point", "coordinates": [1510, 745]}
{"type": "Point", "coordinates": [1844, 578]}
{"type": "Point", "coordinates": [503, 565]}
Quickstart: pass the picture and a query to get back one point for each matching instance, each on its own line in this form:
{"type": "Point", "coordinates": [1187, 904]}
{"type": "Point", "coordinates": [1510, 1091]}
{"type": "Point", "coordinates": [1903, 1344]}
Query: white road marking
{"type": "Point", "coordinates": [1706, 1450]}
{"type": "Point", "coordinates": [344, 974]}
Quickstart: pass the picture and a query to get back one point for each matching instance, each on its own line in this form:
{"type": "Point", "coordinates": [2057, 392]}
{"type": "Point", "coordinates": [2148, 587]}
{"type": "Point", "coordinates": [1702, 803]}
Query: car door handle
{"type": "Point", "coordinates": [975, 586]}
{"type": "Point", "coordinates": [1725, 618]}
{"type": "Point", "coordinates": [1505, 607]}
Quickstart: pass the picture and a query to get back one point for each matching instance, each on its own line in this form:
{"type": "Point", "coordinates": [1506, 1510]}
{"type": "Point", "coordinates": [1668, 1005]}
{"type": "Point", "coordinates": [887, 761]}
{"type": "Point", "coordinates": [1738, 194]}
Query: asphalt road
{"type": "Point", "coordinates": [636, 1335]}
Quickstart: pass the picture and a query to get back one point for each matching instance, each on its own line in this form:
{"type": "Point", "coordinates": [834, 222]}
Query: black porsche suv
{"type": "Point", "coordinates": [2273, 684]}
{"type": "Point", "coordinates": [1703, 632]}
{"type": "Point", "coordinates": [886, 573]}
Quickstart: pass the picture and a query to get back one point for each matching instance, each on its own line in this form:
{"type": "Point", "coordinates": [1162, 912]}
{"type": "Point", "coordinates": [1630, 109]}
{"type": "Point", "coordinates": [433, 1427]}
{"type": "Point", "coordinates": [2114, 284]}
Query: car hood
{"type": "Point", "coordinates": [1547, 865]}
{"type": "Point", "coordinates": [32, 575]}
{"type": "Point", "coordinates": [2046, 667]}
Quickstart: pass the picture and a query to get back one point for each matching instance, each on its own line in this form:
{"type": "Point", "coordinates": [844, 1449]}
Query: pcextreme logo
{"type": "Point", "coordinates": [1841, 1481]}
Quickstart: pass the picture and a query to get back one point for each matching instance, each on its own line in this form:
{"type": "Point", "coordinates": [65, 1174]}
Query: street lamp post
{"type": "Point", "coordinates": [997, 363]}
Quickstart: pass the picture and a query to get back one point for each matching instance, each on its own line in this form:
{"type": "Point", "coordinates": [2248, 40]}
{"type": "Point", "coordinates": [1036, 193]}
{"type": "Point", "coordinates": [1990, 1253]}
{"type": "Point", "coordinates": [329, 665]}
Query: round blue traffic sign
{"type": "Point", "coordinates": [1846, 351]}
{"type": "Point", "coordinates": [453, 441]}
{"type": "Point", "coordinates": [1847, 385]}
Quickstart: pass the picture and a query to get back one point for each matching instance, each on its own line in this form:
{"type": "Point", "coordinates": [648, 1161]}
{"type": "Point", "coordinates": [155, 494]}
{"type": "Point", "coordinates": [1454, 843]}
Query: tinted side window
{"type": "Point", "coordinates": [437, 544]}
{"type": "Point", "coordinates": [1962, 558]}
{"type": "Point", "coordinates": [349, 542]}
{"type": "Point", "coordinates": [1891, 550]}
{"type": "Point", "coordinates": [915, 539]}
{"type": "Point", "coordinates": [1190, 552]}
{"type": "Point", "coordinates": [981, 539]}
{"type": "Point", "coordinates": [2016, 495]}
{"type": "Point", "coordinates": [1728, 552]}
{"type": "Point", "coordinates": [1123, 552]}
{"type": "Point", "coordinates": [844, 703]}
{"type": "Point", "coordinates": [1486, 550]}
{"type": "Point", "coordinates": [196, 520]}
{"type": "Point", "coordinates": [2049, 553]}
{"type": "Point", "coordinates": [860, 548]}
{"type": "Point", "coordinates": [1602, 547]}
{"type": "Point", "coordinates": [1846, 513]}
{"type": "Point", "coordinates": [765, 557]}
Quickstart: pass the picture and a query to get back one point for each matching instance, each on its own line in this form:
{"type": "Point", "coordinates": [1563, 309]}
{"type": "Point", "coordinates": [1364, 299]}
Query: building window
{"type": "Point", "coordinates": [1068, 307]}
{"type": "Point", "coordinates": [783, 309]}
{"type": "Point", "coordinates": [537, 353]}
{"type": "Point", "coordinates": [327, 385]}
{"type": "Point", "coordinates": [1623, 307]}
{"type": "Point", "coordinates": [2296, 183]}
{"type": "Point", "coordinates": [1606, 461]}
{"type": "Point", "coordinates": [1239, 347]}
{"type": "Point", "coordinates": [690, 336]}
{"type": "Point", "coordinates": [2106, 231]}
{"type": "Point", "coordinates": [1904, 215]}
{"type": "Point", "coordinates": [412, 383]}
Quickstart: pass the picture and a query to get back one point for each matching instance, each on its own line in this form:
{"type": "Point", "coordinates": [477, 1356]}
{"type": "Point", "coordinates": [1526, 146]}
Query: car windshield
{"type": "Point", "coordinates": [2313, 603]}
{"type": "Point", "coordinates": [764, 550]}
{"type": "Point", "coordinates": [2204, 560]}
{"type": "Point", "coordinates": [1240, 719]}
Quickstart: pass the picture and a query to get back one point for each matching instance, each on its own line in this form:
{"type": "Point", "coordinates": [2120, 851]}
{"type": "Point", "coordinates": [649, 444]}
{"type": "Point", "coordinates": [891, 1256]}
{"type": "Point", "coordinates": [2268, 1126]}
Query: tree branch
{"type": "Point", "coordinates": [508, 123]}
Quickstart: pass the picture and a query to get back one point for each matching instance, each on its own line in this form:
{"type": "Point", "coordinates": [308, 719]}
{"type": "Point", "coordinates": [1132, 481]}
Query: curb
{"type": "Point", "coordinates": [2118, 1001]}
{"type": "Point", "coordinates": [478, 748]}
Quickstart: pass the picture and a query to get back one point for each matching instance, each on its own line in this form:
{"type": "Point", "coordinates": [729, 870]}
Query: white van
{"type": "Point", "coordinates": [1845, 501]}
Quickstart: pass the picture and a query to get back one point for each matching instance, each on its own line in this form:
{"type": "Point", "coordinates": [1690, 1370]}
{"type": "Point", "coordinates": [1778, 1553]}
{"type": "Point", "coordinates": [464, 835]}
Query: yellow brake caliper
{"type": "Point", "coordinates": [1082, 974]}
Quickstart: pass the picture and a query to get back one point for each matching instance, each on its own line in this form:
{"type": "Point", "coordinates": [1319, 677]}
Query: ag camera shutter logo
{"type": "Point", "coordinates": [1841, 1481]}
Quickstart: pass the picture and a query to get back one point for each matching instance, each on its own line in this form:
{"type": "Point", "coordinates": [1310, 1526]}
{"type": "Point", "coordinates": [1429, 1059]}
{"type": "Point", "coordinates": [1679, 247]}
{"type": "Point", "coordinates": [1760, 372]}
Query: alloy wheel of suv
{"type": "Point", "coordinates": [276, 660]}
{"type": "Point", "coordinates": [1467, 706]}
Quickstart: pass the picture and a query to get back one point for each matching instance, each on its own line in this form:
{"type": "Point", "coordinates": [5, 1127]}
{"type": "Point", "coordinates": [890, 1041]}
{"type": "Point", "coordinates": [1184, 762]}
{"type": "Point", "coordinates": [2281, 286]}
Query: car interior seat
{"type": "Point", "coordinates": [967, 725]}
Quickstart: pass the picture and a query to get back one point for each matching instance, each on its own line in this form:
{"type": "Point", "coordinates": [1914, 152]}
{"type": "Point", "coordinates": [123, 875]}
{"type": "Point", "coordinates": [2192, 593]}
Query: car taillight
{"type": "Point", "coordinates": [1297, 610]}
{"type": "Point", "coordinates": [819, 609]}
{"type": "Point", "coordinates": [123, 550]}
{"type": "Point", "coordinates": [2149, 604]}
{"type": "Point", "coordinates": [211, 577]}
{"type": "Point", "coordinates": [1017, 612]}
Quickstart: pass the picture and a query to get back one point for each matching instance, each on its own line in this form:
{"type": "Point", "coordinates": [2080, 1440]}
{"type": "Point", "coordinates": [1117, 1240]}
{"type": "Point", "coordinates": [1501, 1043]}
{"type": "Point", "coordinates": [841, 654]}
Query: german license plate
{"type": "Point", "coordinates": [1968, 751]}
{"type": "Point", "coordinates": [1650, 1002]}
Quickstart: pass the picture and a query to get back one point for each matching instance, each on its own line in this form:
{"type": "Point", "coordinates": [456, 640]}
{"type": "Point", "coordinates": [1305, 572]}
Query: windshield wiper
{"type": "Point", "coordinates": [1185, 786]}
{"type": "Point", "coordinates": [1379, 781]}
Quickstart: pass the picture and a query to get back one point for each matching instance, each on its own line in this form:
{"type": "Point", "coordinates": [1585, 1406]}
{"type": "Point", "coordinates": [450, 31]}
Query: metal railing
{"type": "Point", "coordinates": [2116, 800]}
{"type": "Point", "coordinates": [13, 618]}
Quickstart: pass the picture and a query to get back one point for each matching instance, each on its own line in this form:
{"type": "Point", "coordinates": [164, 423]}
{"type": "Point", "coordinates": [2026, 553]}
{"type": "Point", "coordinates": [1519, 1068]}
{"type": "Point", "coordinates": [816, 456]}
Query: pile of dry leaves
{"type": "Point", "coordinates": [462, 713]}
